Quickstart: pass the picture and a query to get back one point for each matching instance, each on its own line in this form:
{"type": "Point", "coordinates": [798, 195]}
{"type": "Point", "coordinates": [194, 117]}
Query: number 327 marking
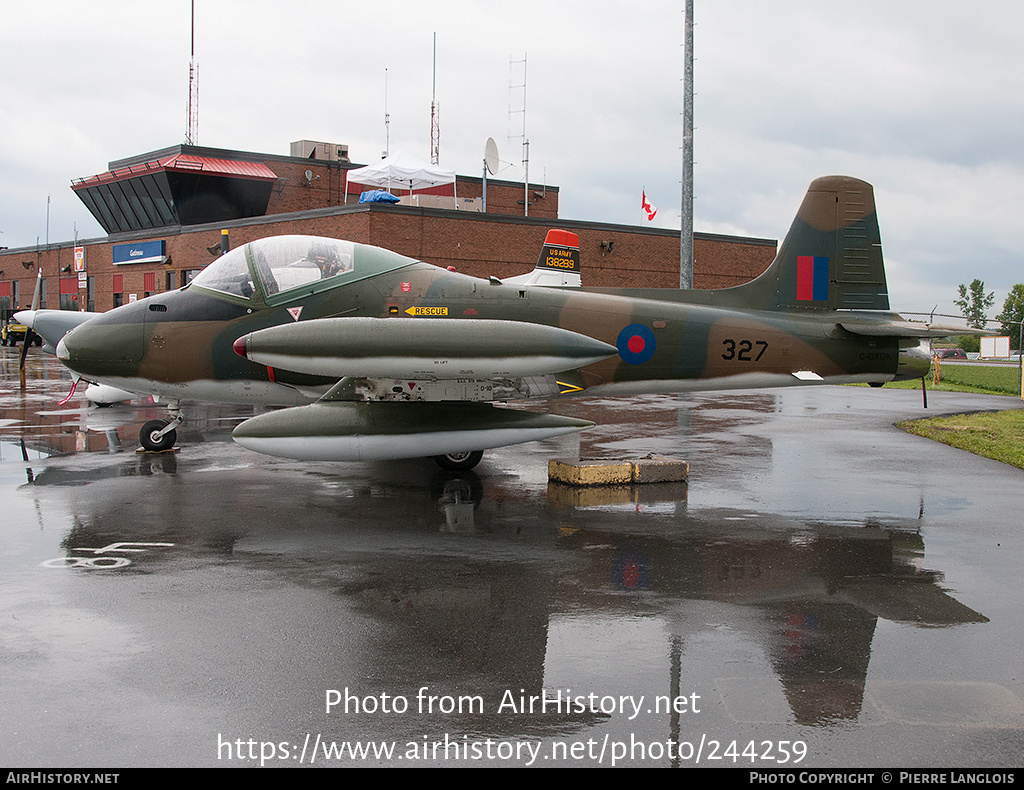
{"type": "Point", "coordinates": [743, 349]}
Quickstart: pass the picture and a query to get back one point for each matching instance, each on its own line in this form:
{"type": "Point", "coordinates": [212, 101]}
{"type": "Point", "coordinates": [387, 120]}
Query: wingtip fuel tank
{"type": "Point", "coordinates": [393, 347]}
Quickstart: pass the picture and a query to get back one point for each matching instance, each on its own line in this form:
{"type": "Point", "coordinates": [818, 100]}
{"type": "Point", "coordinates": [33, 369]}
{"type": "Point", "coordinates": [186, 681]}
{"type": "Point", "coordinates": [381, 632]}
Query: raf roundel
{"type": "Point", "coordinates": [636, 344]}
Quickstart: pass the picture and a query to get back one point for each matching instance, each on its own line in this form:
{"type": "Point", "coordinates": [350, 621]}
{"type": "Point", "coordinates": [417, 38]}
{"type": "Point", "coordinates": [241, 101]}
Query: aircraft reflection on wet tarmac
{"type": "Point", "coordinates": [812, 593]}
{"type": "Point", "coordinates": [479, 583]}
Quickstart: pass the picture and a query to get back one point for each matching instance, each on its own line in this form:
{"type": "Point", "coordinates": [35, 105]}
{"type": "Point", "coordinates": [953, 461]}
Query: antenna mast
{"type": "Point", "coordinates": [435, 121]}
{"type": "Point", "coordinates": [526, 141]}
{"type": "Point", "coordinates": [387, 119]}
{"type": "Point", "coordinates": [192, 133]}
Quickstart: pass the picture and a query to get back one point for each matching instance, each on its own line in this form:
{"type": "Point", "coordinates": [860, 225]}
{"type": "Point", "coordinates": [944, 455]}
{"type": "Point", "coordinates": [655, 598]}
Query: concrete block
{"type": "Point", "coordinates": [618, 471]}
{"type": "Point", "coordinates": [660, 470]}
{"type": "Point", "coordinates": [590, 473]}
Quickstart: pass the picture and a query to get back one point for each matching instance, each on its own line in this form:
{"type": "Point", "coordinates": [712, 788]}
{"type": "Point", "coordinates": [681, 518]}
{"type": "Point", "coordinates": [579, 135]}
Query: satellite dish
{"type": "Point", "coordinates": [309, 175]}
{"type": "Point", "coordinates": [491, 156]}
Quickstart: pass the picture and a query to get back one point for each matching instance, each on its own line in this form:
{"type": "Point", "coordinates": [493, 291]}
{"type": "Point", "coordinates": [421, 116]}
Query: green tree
{"type": "Point", "coordinates": [969, 343]}
{"type": "Point", "coordinates": [1013, 312]}
{"type": "Point", "coordinates": [973, 303]}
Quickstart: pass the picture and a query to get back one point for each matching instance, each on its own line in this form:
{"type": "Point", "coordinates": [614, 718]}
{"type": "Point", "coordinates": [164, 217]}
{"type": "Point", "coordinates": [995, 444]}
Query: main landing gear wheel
{"type": "Point", "coordinates": [150, 439]}
{"type": "Point", "coordinates": [459, 462]}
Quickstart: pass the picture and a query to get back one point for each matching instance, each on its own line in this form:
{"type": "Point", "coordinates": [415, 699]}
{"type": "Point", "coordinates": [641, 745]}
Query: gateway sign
{"type": "Point", "coordinates": [141, 252]}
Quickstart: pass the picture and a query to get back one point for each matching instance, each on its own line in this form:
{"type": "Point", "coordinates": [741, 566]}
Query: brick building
{"type": "Point", "coordinates": [165, 212]}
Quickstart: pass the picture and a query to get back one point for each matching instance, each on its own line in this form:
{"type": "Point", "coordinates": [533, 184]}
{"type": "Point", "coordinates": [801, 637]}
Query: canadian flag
{"type": "Point", "coordinates": [646, 206]}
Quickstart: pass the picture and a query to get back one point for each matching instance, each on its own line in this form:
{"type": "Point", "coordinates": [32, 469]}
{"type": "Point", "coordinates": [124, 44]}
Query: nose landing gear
{"type": "Point", "coordinates": [158, 436]}
{"type": "Point", "coordinates": [459, 462]}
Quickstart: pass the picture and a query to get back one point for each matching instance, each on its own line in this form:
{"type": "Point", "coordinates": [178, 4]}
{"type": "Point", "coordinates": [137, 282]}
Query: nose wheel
{"type": "Point", "coordinates": [158, 436]}
{"type": "Point", "coordinates": [459, 462]}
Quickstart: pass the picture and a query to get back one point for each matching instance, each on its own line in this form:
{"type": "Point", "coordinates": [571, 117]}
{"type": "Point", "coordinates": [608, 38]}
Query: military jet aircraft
{"type": "Point", "coordinates": [380, 356]}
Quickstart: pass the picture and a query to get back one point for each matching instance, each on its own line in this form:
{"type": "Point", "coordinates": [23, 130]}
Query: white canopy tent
{"type": "Point", "coordinates": [402, 172]}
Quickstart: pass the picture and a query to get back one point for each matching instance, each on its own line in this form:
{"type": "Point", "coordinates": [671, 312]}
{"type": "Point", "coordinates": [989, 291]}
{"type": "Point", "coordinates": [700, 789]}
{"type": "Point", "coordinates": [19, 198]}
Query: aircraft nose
{"type": "Point", "coordinates": [103, 347]}
{"type": "Point", "coordinates": [62, 352]}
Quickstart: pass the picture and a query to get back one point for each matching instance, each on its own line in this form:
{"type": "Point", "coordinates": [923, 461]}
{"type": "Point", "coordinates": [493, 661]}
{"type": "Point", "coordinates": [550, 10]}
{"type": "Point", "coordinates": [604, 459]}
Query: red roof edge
{"type": "Point", "coordinates": [183, 163]}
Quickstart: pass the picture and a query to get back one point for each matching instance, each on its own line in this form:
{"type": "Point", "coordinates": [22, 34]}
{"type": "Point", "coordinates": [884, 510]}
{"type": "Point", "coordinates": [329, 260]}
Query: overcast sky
{"type": "Point", "coordinates": [925, 100]}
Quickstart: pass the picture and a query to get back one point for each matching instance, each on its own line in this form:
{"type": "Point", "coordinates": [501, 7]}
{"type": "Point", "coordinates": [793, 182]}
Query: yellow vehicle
{"type": "Point", "coordinates": [12, 332]}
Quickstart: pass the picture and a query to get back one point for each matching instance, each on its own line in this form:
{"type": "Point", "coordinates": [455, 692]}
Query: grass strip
{"type": "Point", "coordinates": [968, 377]}
{"type": "Point", "coordinates": [994, 378]}
{"type": "Point", "coordinates": [998, 435]}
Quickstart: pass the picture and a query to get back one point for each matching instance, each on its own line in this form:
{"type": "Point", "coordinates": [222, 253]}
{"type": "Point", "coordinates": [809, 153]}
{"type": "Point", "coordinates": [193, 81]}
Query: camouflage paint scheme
{"type": "Point", "coordinates": [819, 313]}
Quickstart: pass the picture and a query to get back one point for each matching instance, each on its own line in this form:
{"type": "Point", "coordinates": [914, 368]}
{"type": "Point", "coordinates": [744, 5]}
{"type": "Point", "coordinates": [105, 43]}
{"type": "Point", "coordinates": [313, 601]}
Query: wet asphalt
{"type": "Point", "coordinates": [825, 591]}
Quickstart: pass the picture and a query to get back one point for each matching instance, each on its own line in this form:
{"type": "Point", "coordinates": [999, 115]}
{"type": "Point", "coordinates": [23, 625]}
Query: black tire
{"type": "Point", "coordinates": [459, 462]}
{"type": "Point", "coordinates": [150, 442]}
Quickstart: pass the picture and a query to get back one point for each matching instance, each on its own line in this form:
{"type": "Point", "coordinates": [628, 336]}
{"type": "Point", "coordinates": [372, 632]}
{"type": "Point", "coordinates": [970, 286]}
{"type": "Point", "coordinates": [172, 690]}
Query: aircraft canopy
{"type": "Point", "coordinates": [294, 265]}
{"type": "Point", "coordinates": [281, 263]}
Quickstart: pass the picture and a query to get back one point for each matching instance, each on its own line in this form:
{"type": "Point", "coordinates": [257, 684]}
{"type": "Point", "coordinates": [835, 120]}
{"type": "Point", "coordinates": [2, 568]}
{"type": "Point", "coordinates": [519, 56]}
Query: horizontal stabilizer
{"type": "Point", "coordinates": [899, 328]}
{"type": "Point", "coordinates": [430, 348]}
{"type": "Point", "coordinates": [356, 431]}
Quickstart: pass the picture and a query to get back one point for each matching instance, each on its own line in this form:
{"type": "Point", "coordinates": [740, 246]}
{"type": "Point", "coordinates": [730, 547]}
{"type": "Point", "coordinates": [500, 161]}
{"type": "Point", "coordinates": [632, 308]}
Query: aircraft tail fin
{"type": "Point", "coordinates": [558, 264]}
{"type": "Point", "coordinates": [831, 259]}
